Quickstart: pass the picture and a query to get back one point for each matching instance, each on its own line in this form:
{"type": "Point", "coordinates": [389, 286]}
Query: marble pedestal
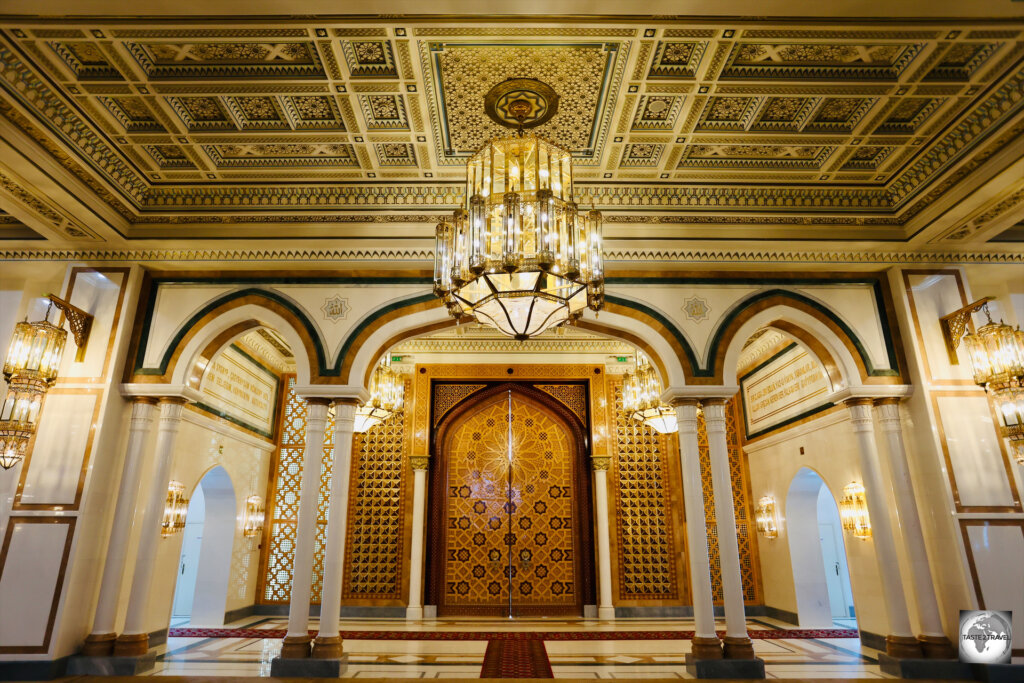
{"type": "Point", "coordinates": [725, 668]}
{"type": "Point", "coordinates": [308, 667]}
{"type": "Point", "coordinates": [111, 666]}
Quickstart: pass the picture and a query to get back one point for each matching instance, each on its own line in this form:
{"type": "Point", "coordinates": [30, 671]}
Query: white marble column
{"type": "Point", "coordinates": [933, 639]}
{"type": "Point", "coordinates": [419, 466]}
{"type": "Point", "coordinates": [706, 644]}
{"type": "Point", "coordinates": [328, 641]}
{"type": "Point", "coordinates": [605, 608]}
{"type": "Point", "coordinates": [297, 640]}
{"type": "Point", "coordinates": [900, 642]}
{"type": "Point", "coordinates": [737, 643]}
{"type": "Point", "coordinates": [134, 640]}
{"type": "Point", "coordinates": [100, 641]}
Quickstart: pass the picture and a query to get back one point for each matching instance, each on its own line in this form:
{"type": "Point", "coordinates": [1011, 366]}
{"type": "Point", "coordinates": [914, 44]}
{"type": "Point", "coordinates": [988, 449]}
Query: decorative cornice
{"type": "Point", "coordinates": [409, 254]}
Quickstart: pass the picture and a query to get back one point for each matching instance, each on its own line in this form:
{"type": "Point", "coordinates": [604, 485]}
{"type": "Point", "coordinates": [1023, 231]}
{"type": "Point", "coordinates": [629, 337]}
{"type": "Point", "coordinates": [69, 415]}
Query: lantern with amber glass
{"type": "Point", "coordinates": [766, 519]}
{"type": "Point", "coordinates": [996, 351]}
{"type": "Point", "coordinates": [252, 524]}
{"type": "Point", "coordinates": [520, 256]}
{"type": "Point", "coordinates": [641, 398]}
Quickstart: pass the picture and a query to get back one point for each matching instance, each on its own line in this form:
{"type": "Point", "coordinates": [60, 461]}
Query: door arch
{"type": "Point", "coordinates": [204, 568]}
{"type": "Point", "coordinates": [510, 508]}
{"type": "Point", "coordinates": [821, 575]}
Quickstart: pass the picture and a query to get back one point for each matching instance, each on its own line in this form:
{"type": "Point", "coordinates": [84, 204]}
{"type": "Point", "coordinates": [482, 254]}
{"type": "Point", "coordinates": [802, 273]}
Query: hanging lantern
{"type": "Point", "coordinates": [1010, 404]}
{"type": "Point", "coordinates": [853, 511]}
{"type": "Point", "coordinates": [175, 510]}
{"type": "Point", "coordinates": [387, 397]}
{"type": "Point", "coordinates": [252, 524]}
{"type": "Point", "coordinates": [36, 350]}
{"type": "Point", "coordinates": [996, 351]}
{"type": "Point", "coordinates": [19, 413]}
{"type": "Point", "coordinates": [641, 397]}
{"type": "Point", "coordinates": [520, 256]}
{"type": "Point", "coordinates": [767, 522]}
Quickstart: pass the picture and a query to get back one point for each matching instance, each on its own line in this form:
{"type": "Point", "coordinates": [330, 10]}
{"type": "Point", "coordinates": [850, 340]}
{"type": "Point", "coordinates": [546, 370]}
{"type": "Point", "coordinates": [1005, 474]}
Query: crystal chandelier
{"type": "Point", "coordinates": [521, 256]}
{"type": "Point", "coordinates": [387, 396]}
{"type": "Point", "coordinates": [641, 397]}
{"type": "Point", "coordinates": [853, 511]}
{"type": "Point", "coordinates": [255, 512]}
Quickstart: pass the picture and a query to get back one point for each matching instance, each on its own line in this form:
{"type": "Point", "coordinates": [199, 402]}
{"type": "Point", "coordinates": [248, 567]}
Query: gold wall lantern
{"type": "Point", "coordinates": [255, 512]}
{"type": "Point", "coordinates": [175, 510]}
{"type": "Point", "coordinates": [766, 517]}
{"type": "Point", "coordinates": [520, 256]}
{"type": "Point", "coordinates": [996, 353]}
{"type": "Point", "coordinates": [853, 511]}
{"type": "Point", "coordinates": [19, 413]}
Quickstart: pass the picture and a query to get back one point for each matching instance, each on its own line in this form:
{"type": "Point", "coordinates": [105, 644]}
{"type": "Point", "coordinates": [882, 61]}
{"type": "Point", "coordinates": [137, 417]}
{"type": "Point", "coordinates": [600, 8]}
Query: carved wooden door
{"type": "Point", "coordinates": [510, 543]}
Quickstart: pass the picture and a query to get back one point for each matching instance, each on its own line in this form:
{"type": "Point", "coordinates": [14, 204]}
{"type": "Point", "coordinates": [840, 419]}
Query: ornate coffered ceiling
{"type": "Point", "coordinates": [681, 128]}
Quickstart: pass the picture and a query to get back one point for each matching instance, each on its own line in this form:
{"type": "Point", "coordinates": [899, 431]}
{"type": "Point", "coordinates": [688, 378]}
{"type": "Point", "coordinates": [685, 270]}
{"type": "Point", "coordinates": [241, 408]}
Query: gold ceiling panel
{"type": "Point", "coordinates": [304, 115]}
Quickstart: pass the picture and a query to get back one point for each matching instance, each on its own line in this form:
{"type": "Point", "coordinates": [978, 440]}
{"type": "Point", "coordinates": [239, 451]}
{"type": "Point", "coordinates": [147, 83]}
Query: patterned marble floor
{"type": "Point", "coordinates": [784, 658]}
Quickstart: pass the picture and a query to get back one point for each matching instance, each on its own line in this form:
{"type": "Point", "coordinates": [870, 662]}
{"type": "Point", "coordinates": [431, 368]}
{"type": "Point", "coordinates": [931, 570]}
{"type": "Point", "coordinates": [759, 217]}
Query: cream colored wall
{"type": "Point", "coordinates": [204, 443]}
{"type": "Point", "coordinates": [830, 449]}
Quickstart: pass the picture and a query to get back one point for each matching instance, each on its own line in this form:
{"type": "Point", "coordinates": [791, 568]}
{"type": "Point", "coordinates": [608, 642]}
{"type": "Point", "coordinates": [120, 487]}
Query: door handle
{"type": "Point", "coordinates": [183, 569]}
{"type": "Point", "coordinates": [837, 569]}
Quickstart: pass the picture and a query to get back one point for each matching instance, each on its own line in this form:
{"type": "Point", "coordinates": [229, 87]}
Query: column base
{"type": "Point", "coordinates": [296, 647]}
{"type": "Point", "coordinates": [724, 668]}
{"type": "Point", "coordinates": [705, 648]}
{"type": "Point", "coordinates": [605, 613]}
{"type": "Point", "coordinates": [414, 612]}
{"type": "Point", "coordinates": [99, 665]}
{"type": "Point", "coordinates": [131, 645]}
{"type": "Point", "coordinates": [327, 647]}
{"type": "Point", "coordinates": [937, 647]}
{"type": "Point", "coordinates": [282, 667]}
{"type": "Point", "coordinates": [98, 645]}
{"type": "Point", "coordinates": [903, 647]}
{"type": "Point", "coordinates": [734, 647]}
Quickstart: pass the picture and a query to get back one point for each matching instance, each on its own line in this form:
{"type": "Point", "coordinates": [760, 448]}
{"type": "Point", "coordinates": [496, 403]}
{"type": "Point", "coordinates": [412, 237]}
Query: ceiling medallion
{"type": "Point", "coordinates": [521, 256]}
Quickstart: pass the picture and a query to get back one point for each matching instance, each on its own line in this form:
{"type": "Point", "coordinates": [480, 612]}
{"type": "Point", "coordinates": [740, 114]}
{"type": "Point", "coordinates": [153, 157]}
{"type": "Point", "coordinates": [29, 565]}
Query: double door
{"type": "Point", "coordinates": [510, 540]}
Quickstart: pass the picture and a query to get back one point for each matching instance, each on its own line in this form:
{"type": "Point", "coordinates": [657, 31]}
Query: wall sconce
{"type": "Point", "coordinates": [252, 525]}
{"type": "Point", "coordinates": [175, 510]}
{"type": "Point", "coordinates": [767, 522]}
{"type": "Point", "coordinates": [30, 368]}
{"type": "Point", "coordinates": [1010, 403]}
{"type": "Point", "coordinates": [853, 510]}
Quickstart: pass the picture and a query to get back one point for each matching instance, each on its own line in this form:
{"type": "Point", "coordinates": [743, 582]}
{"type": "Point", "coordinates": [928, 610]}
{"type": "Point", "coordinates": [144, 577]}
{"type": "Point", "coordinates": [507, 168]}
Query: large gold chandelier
{"type": "Point", "coordinates": [521, 256]}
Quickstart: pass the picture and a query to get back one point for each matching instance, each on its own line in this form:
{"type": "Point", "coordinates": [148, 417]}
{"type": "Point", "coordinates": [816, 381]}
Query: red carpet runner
{"type": "Point", "coordinates": [796, 634]}
{"type": "Point", "coordinates": [516, 659]}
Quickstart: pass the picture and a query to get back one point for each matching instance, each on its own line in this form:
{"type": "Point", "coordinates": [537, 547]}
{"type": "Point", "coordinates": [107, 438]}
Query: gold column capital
{"type": "Point", "coordinates": [600, 463]}
{"type": "Point", "coordinates": [419, 462]}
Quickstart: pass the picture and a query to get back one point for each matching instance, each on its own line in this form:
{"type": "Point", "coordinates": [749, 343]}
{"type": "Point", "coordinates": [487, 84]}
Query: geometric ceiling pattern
{"type": "Point", "coordinates": [669, 121]}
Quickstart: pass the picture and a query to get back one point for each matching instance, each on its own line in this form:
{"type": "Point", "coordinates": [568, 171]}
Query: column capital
{"type": "Point", "coordinates": [330, 392]}
{"type": "Point", "coordinates": [699, 392]}
{"type": "Point", "coordinates": [419, 462]}
{"type": "Point", "coordinates": [173, 400]}
{"type": "Point", "coordinates": [600, 463]}
{"type": "Point", "coordinates": [888, 401]}
{"type": "Point", "coordinates": [346, 401]}
{"type": "Point", "coordinates": [164, 393]}
{"type": "Point", "coordinates": [147, 400]}
{"type": "Point", "coordinates": [317, 401]}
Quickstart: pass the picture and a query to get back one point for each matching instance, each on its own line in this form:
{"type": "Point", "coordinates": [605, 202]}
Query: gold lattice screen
{"type": "Point", "coordinates": [645, 543]}
{"type": "Point", "coordinates": [373, 547]}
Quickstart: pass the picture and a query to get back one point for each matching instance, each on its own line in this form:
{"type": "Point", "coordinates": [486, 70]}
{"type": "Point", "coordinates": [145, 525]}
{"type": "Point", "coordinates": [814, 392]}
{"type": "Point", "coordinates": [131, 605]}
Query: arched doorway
{"type": "Point", "coordinates": [201, 587]}
{"type": "Point", "coordinates": [821, 577]}
{"type": "Point", "coordinates": [510, 508]}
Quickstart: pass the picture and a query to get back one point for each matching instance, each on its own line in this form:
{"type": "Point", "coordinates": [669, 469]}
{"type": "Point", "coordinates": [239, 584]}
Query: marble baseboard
{"type": "Point", "coordinates": [33, 669]}
{"type": "Point", "coordinates": [924, 668]}
{"type": "Point", "coordinates": [308, 667]}
{"type": "Point", "coordinates": [725, 668]}
{"type": "Point", "coordinates": [776, 613]}
{"type": "Point", "coordinates": [110, 666]}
